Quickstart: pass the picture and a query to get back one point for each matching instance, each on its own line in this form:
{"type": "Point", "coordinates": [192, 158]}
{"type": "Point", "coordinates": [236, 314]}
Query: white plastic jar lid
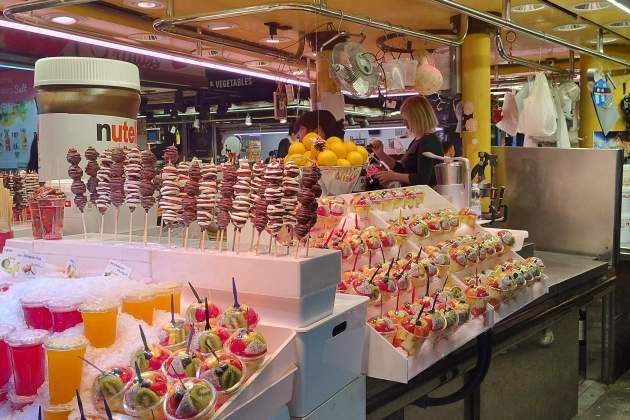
{"type": "Point", "coordinates": [86, 71]}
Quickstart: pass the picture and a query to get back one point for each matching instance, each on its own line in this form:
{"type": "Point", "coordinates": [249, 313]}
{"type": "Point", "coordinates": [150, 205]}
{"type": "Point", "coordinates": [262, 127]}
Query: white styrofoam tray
{"type": "Point", "coordinates": [349, 403]}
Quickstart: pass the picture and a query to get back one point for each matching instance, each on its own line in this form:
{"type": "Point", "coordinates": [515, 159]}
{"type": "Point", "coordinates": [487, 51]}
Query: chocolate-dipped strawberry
{"type": "Point", "coordinates": [170, 200]}
{"type": "Point", "coordinates": [117, 184]}
{"type": "Point", "coordinates": [189, 200]}
{"type": "Point", "coordinates": [273, 195]}
{"type": "Point", "coordinates": [258, 211]}
{"type": "Point", "coordinates": [147, 185]}
{"type": "Point", "coordinates": [227, 197]}
{"type": "Point", "coordinates": [91, 170]}
{"type": "Point", "coordinates": [206, 201]}
{"type": "Point", "coordinates": [171, 155]}
{"type": "Point", "coordinates": [242, 200]}
{"type": "Point", "coordinates": [307, 198]}
{"type": "Point", "coordinates": [133, 171]}
{"type": "Point", "coordinates": [289, 200]}
{"type": "Point", "coordinates": [103, 190]}
{"type": "Point", "coordinates": [78, 187]}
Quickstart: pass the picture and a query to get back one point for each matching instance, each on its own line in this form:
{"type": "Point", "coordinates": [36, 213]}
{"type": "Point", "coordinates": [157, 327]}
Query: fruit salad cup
{"type": "Point", "coordinates": [367, 289]}
{"type": "Point", "coordinates": [384, 326]}
{"type": "Point", "coordinates": [227, 375]}
{"type": "Point", "coordinates": [495, 293]}
{"type": "Point", "coordinates": [398, 316]}
{"type": "Point", "coordinates": [111, 386]}
{"type": "Point", "coordinates": [174, 336]}
{"type": "Point", "coordinates": [182, 365]}
{"type": "Point", "coordinates": [477, 297]}
{"type": "Point", "coordinates": [419, 228]}
{"type": "Point", "coordinates": [452, 322]}
{"type": "Point", "coordinates": [467, 217]}
{"type": "Point", "coordinates": [361, 206]}
{"type": "Point", "coordinates": [411, 335]}
{"type": "Point", "coordinates": [196, 314]}
{"type": "Point", "coordinates": [507, 238]}
{"type": "Point", "coordinates": [192, 399]}
{"type": "Point", "coordinates": [152, 360]}
{"type": "Point", "coordinates": [144, 399]}
{"type": "Point", "coordinates": [249, 347]}
{"type": "Point", "coordinates": [240, 317]}
{"type": "Point", "coordinates": [386, 285]}
{"type": "Point", "coordinates": [206, 341]}
{"type": "Point", "coordinates": [438, 323]}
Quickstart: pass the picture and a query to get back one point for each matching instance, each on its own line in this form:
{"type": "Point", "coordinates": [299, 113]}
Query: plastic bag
{"type": "Point", "coordinates": [538, 118]}
{"type": "Point", "coordinates": [509, 112]}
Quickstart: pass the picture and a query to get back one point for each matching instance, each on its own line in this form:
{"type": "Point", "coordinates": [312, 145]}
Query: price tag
{"type": "Point", "coordinates": [70, 269]}
{"type": "Point", "coordinates": [116, 268]}
{"type": "Point", "coordinates": [10, 260]}
{"type": "Point", "coordinates": [32, 265]}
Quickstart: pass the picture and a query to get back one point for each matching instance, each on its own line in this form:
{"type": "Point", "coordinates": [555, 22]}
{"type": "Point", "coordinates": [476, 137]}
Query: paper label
{"type": "Point", "coordinates": [116, 268]}
{"type": "Point", "coordinates": [59, 132]}
{"type": "Point", "coordinates": [32, 265]}
{"type": "Point", "coordinates": [9, 261]}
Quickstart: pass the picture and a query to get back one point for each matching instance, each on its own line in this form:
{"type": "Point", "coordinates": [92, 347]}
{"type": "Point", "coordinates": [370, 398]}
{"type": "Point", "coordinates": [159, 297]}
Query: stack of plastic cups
{"type": "Point", "coordinates": [65, 367]}
{"type": "Point", "coordinates": [140, 305]}
{"type": "Point", "coordinates": [64, 313]}
{"type": "Point", "coordinates": [28, 365]}
{"type": "Point", "coordinates": [100, 318]}
{"type": "Point", "coordinates": [163, 292]}
{"type": "Point", "coordinates": [5, 360]}
{"type": "Point", "coordinates": [36, 314]}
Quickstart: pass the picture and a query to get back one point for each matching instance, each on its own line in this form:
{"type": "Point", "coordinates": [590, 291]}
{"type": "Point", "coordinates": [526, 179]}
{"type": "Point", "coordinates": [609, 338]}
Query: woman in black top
{"type": "Point", "coordinates": [413, 168]}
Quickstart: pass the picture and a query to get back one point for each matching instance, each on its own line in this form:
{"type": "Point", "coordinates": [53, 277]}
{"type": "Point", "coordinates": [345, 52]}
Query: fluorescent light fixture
{"type": "Point", "coordinates": [248, 120]}
{"type": "Point", "coordinates": [620, 25]}
{"type": "Point", "coordinates": [621, 4]}
{"type": "Point", "coordinates": [149, 53]}
{"type": "Point", "coordinates": [62, 20]}
{"type": "Point", "coordinates": [376, 128]}
{"type": "Point", "coordinates": [145, 37]}
{"type": "Point", "coordinates": [16, 67]}
{"type": "Point", "coordinates": [275, 39]}
{"type": "Point", "coordinates": [528, 8]}
{"type": "Point", "coordinates": [607, 39]}
{"type": "Point", "coordinates": [283, 120]}
{"type": "Point", "coordinates": [591, 6]}
{"type": "Point", "coordinates": [570, 27]}
{"type": "Point", "coordinates": [261, 133]}
{"type": "Point", "coordinates": [145, 4]}
{"type": "Point", "coordinates": [221, 26]}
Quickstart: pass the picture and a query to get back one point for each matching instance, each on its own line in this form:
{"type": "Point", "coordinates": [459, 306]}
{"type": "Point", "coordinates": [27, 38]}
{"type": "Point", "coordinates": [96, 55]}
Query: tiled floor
{"type": "Point", "coordinates": [605, 402]}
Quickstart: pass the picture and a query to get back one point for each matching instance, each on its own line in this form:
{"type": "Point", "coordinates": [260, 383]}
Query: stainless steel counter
{"type": "Point", "coordinates": [567, 270]}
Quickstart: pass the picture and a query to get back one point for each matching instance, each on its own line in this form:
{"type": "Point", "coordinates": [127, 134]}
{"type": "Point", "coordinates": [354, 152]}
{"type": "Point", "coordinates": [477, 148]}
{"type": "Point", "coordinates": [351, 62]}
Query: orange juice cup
{"type": "Point", "coordinates": [140, 305]}
{"type": "Point", "coordinates": [57, 412]}
{"type": "Point", "coordinates": [65, 368]}
{"type": "Point", "coordinates": [99, 321]}
{"type": "Point", "coordinates": [163, 299]}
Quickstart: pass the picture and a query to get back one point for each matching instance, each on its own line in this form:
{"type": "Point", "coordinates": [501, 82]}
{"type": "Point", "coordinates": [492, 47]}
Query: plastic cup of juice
{"type": "Point", "coordinates": [27, 360]}
{"type": "Point", "coordinates": [5, 360]}
{"type": "Point", "coordinates": [18, 402]}
{"type": "Point", "coordinates": [163, 296]}
{"type": "Point", "coordinates": [140, 305]}
{"type": "Point", "coordinates": [99, 321]}
{"type": "Point", "coordinates": [57, 411]}
{"type": "Point", "coordinates": [36, 314]}
{"type": "Point", "coordinates": [51, 213]}
{"type": "Point", "coordinates": [65, 368]}
{"type": "Point", "coordinates": [64, 313]}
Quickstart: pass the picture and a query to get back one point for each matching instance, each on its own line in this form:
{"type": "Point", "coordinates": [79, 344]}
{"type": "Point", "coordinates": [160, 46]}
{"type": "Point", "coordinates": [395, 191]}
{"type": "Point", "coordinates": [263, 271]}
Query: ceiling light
{"type": "Point", "coordinates": [297, 72]}
{"type": "Point", "coordinates": [620, 25]}
{"type": "Point", "coordinates": [62, 20]}
{"type": "Point", "coordinates": [145, 37]}
{"type": "Point", "coordinates": [624, 5]}
{"type": "Point", "coordinates": [275, 39]}
{"type": "Point", "coordinates": [607, 39]}
{"type": "Point", "coordinates": [149, 53]}
{"type": "Point", "coordinates": [570, 27]}
{"type": "Point", "coordinates": [591, 6]}
{"type": "Point", "coordinates": [283, 120]}
{"type": "Point", "coordinates": [257, 63]}
{"type": "Point", "coordinates": [528, 8]}
{"type": "Point", "coordinates": [221, 26]}
{"type": "Point", "coordinates": [145, 4]}
{"type": "Point", "coordinates": [248, 120]}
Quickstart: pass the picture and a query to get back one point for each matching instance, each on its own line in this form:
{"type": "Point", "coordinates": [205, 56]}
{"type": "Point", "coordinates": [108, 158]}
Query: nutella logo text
{"type": "Point", "coordinates": [118, 133]}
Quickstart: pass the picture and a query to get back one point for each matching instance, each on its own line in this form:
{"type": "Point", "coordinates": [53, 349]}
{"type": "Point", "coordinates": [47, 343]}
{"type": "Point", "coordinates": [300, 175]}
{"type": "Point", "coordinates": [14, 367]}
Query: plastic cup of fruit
{"type": "Point", "coordinates": [452, 322]}
{"type": "Point", "coordinates": [65, 366]}
{"type": "Point", "coordinates": [36, 221]}
{"type": "Point", "coordinates": [51, 213]}
{"type": "Point", "coordinates": [163, 292]}
{"type": "Point", "coordinates": [158, 355]}
{"type": "Point", "coordinates": [369, 290]}
{"type": "Point", "coordinates": [398, 317]}
{"type": "Point", "coordinates": [477, 298]}
{"type": "Point", "coordinates": [100, 318]}
{"type": "Point", "coordinates": [144, 400]}
{"type": "Point", "coordinates": [140, 305]}
{"type": "Point", "coordinates": [182, 365]}
{"type": "Point", "coordinates": [112, 387]}
{"type": "Point", "coordinates": [173, 337]}
{"type": "Point", "coordinates": [57, 411]}
{"type": "Point", "coordinates": [249, 347]}
{"type": "Point", "coordinates": [226, 375]}
{"type": "Point", "coordinates": [197, 401]}
{"type": "Point", "coordinates": [36, 314]}
{"type": "Point", "coordinates": [28, 360]}
{"type": "Point", "coordinates": [64, 313]}
{"type": "Point", "coordinates": [463, 313]}
{"type": "Point", "coordinates": [495, 297]}
{"type": "Point", "coordinates": [385, 327]}
{"type": "Point", "coordinates": [438, 324]}
{"type": "Point", "coordinates": [5, 359]}
{"type": "Point", "coordinates": [241, 317]}
{"type": "Point", "coordinates": [213, 338]}
{"type": "Point", "coordinates": [410, 336]}
{"type": "Point", "coordinates": [196, 314]}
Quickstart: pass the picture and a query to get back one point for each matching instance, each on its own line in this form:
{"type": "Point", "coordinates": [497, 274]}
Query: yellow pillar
{"type": "Point", "coordinates": [475, 71]}
{"type": "Point", "coordinates": [588, 117]}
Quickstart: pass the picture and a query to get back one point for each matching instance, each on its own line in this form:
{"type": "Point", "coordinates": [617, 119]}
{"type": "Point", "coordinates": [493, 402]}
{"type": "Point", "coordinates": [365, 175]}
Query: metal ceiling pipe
{"type": "Point", "coordinates": [527, 63]}
{"type": "Point", "coordinates": [503, 23]}
{"type": "Point", "coordinates": [11, 13]}
{"type": "Point", "coordinates": [167, 25]}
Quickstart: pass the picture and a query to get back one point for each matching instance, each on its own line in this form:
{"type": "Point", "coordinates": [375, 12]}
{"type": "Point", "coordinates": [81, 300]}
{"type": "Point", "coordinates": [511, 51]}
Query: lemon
{"type": "Point", "coordinates": [327, 158]}
{"type": "Point", "coordinates": [350, 146]}
{"type": "Point", "coordinates": [343, 162]}
{"type": "Point", "coordinates": [363, 152]}
{"type": "Point", "coordinates": [296, 158]}
{"type": "Point", "coordinates": [332, 140]}
{"type": "Point", "coordinates": [338, 149]}
{"type": "Point", "coordinates": [355, 158]}
{"type": "Point", "coordinates": [296, 149]}
{"type": "Point", "coordinates": [308, 154]}
{"type": "Point", "coordinates": [309, 139]}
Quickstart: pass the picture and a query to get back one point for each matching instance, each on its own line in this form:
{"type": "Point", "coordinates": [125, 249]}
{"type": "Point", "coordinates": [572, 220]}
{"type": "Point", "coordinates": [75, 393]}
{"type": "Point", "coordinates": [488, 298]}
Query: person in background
{"type": "Point", "coordinates": [413, 168]}
{"type": "Point", "coordinates": [321, 122]}
{"type": "Point", "coordinates": [449, 148]}
{"type": "Point", "coordinates": [272, 155]}
{"type": "Point", "coordinates": [33, 164]}
{"type": "Point", "coordinates": [283, 146]}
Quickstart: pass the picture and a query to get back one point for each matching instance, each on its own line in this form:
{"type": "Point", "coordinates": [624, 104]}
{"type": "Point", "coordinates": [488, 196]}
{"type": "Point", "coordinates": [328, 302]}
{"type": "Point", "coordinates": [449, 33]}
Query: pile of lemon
{"type": "Point", "coordinates": [336, 152]}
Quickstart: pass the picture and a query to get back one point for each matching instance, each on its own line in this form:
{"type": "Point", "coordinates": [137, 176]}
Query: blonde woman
{"type": "Point", "coordinates": [413, 168]}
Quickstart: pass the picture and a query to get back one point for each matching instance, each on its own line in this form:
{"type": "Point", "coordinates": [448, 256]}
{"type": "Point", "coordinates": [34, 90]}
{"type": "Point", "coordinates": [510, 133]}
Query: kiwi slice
{"type": "Point", "coordinates": [208, 341]}
{"type": "Point", "coordinates": [145, 398]}
{"type": "Point", "coordinates": [192, 367]}
{"type": "Point", "coordinates": [201, 395]}
{"type": "Point", "coordinates": [110, 385]}
{"type": "Point", "coordinates": [142, 361]}
{"type": "Point", "coordinates": [6, 263]}
{"type": "Point", "coordinates": [230, 377]}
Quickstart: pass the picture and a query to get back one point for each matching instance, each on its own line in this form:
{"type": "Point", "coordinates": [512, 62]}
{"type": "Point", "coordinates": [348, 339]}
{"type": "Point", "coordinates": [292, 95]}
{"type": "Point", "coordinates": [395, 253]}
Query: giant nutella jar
{"type": "Point", "coordinates": [83, 102]}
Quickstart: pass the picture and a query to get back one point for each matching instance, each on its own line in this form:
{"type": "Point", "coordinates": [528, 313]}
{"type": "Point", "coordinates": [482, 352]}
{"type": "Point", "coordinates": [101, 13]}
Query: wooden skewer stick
{"type": "Point", "coordinates": [161, 229]}
{"type": "Point", "coordinates": [102, 225]}
{"type": "Point", "coordinates": [116, 213]}
{"type": "Point", "coordinates": [251, 245]}
{"type": "Point", "coordinates": [169, 236]}
{"type": "Point", "coordinates": [146, 227]}
{"type": "Point", "coordinates": [258, 243]}
{"type": "Point", "coordinates": [130, 226]}
{"type": "Point", "coordinates": [84, 227]}
{"type": "Point", "coordinates": [203, 240]}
